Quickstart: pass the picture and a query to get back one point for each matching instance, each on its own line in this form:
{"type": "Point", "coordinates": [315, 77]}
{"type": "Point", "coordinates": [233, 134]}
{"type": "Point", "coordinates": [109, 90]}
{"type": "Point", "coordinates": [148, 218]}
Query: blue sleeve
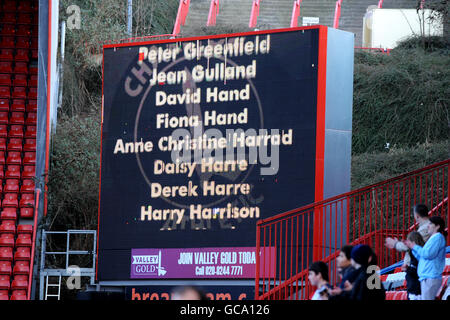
{"type": "Point", "coordinates": [430, 250]}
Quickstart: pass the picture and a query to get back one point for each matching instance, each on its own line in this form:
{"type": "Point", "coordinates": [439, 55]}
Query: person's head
{"type": "Point", "coordinates": [344, 258]}
{"type": "Point", "coordinates": [416, 237]}
{"type": "Point", "coordinates": [420, 212]}
{"type": "Point", "coordinates": [437, 224]}
{"type": "Point", "coordinates": [362, 255]}
{"type": "Point", "coordinates": [318, 272]}
{"type": "Point", "coordinates": [188, 293]}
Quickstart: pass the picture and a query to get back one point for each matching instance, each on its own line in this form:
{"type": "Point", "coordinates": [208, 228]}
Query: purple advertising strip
{"type": "Point", "coordinates": [236, 262]}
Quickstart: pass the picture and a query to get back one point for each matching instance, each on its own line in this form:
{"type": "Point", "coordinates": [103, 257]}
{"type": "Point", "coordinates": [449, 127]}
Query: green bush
{"type": "Point", "coordinates": [401, 99]}
{"type": "Point", "coordinates": [74, 174]}
{"type": "Point", "coordinates": [370, 168]}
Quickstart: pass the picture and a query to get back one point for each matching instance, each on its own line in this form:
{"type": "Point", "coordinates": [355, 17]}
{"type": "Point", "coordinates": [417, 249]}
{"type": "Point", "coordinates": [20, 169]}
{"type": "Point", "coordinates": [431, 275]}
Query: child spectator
{"type": "Point", "coordinates": [318, 277]}
{"type": "Point", "coordinates": [363, 288]}
{"type": "Point", "coordinates": [412, 278]}
{"type": "Point", "coordinates": [431, 258]}
{"type": "Point", "coordinates": [344, 264]}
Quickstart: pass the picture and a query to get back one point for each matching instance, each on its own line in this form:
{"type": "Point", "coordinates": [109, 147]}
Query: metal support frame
{"type": "Point", "coordinates": [45, 271]}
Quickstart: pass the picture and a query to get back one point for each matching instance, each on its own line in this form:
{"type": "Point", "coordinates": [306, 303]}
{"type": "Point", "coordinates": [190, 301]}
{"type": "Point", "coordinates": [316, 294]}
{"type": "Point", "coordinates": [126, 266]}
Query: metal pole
{"type": "Point", "coordinates": [130, 18]}
{"type": "Point", "coordinates": [61, 67]}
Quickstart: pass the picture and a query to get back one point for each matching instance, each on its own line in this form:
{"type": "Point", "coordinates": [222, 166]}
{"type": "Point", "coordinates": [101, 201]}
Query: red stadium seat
{"type": "Point", "coordinates": [2, 144]}
{"type": "Point", "coordinates": [22, 254]}
{"type": "Point", "coordinates": [23, 31]}
{"type": "Point", "coordinates": [7, 42]}
{"type": "Point", "coordinates": [32, 93]}
{"type": "Point", "coordinates": [4, 285]}
{"type": "Point", "coordinates": [8, 30]}
{"type": "Point", "coordinates": [21, 267]}
{"type": "Point", "coordinates": [25, 6]}
{"type": "Point", "coordinates": [9, 214]}
{"type": "Point", "coordinates": [18, 105]}
{"type": "Point", "coordinates": [19, 93]}
{"type": "Point", "coordinates": [6, 55]}
{"type": "Point", "coordinates": [25, 19]}
{"type": "Point", "coordinates": [34, 43]}
{"type": "Point", "coordinates": [35, 31]}
{"type": "Point", "coordinates": [16, 131]}
{"type": "Point", "coordinates": [5, 80]}
{"type": "Point", "coordinates": [7, 240]}
{"type": "Point", "coordinates": [5, 92]}
{"type": "Point", "coordinates": [20, 80]}
{"type": "Point", "coordinates": [22, 55]}
{"type": "Point", "coordinates": [19, 295]}
{"type": "Point", "coordinates": [14, 158]}
{"type": "Point", "coordinates": [31, 119]}
{"type": "Point", "coordinates": [27, 186]}
{"type": "Point", "coordinates": [12, 186]}
{"type": "Point", "coordinates": [28, 172]}
{"type": "Point", "coordinates": [29, 158]}
{"type": "Point", "coordinates": [34, 55]}
{"type": "Point", "coordinates": [27, 213]}
{"type": "Point", "coordinates": [12, 172]}
{"type": "Point", "coordinates": [23, 43]}
{"type": "Point", "coordinates": [26, 200]}
{"type": "Point", "coordinates": [6, 67]}
{"type": "Point", "coordinates": [21, 67]}
{"type": "Point", "coordinates": [9, 6]}
{"type": "Point", "coordinates": [9, 17]}
{"type": "Point", "coordinates": [447, 270]}
{"type": "Point", "coordinates": [5, 255]}
{"type": "Point", "coordinates": [32, 106]}
{"type": "Point", "coordinates": [4, 119]}
{"type": "Point", "coordinates": [34, 80]}
{"type": "Point", "coordinates": [5, 277]}
{"type": "Point", "coordinates": [2, 157]}
{"type": "Point", "coordinates": [15, 144]}
{"type": "Point", "coordinates": [25, 228]}
{"type": "Point", "coordinates": [4, 106]}
{"type": "Point", "coordinates": [29, 145]}
{"type": "Point", "coordinates": [17, 118]}
{"type": "Point", "coordinates": [5, 262]}
{"type": "Point", "coordinates": [30, 132]}
{"type": "Point", "coordinates": [8, 226]}
{"type": "Point", "coordinates": [10, 200]}
{"type": "Point", "coordinates": [23, 240]}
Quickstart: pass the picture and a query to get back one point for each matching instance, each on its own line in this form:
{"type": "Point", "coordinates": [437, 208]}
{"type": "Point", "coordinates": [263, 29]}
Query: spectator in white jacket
{"type": "Point", "coordinates": [423, 221]}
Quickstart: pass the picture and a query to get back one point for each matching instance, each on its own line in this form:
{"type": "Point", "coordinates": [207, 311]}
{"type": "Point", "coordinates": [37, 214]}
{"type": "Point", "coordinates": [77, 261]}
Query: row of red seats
{"type": "Point", "coordinates": [20, 6]}
{"type": "Point", "coordinates": [17, 172]}
{"type": "Point", "coordinates": [11, 200]}
{"type": "Point", "coordinates": [10, 42]}
{"type": "Point", "coordinates": [17, 144]}
{"type": "Point", "coordinates": [18, 117]}
{"type": "Point", "coordinates": [16, 131]}
{"type": "Point", "coordinates": [19, 67]}
{"type": "Point", "coordinates": [16, 158]}
{"type": "Point", "coordinates": [21, 30]}
{"type": "Point", "coordinates": [18, 92]}
{"type": "Point", "coordinates": [18, 80]}
{"type": "Point", "coordinates": [19, 258]}
{"type": "Point", "coordinates": [403, 294]}
{"type": "Point", "coordinates": [20, 18]}
{"type": "Point", "coordinates": [17, 186]}
{"type": "Point", "coordinates": [18, 55]}
{"type": "Point", "coordinates": [29, 105]}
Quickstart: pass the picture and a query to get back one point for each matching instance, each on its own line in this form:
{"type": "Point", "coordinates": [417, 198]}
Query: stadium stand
{"type": "Point", "coordinates": [275, 14]}
{"type": "Point", "coordinates": [18, 106]}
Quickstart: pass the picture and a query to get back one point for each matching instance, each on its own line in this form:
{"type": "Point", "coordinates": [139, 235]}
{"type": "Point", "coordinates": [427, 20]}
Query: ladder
{"type": "Point", "coordinates": [47, 285]}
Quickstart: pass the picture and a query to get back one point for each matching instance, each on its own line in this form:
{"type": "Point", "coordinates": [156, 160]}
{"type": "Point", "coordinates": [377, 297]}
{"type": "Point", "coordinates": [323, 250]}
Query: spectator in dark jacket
{"type": "Point", "coordinates": [367, 284]}
{"type": "Point", "coordinates": [344, 264]}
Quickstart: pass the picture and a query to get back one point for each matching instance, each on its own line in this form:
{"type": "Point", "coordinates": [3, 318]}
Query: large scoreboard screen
{"type": "Point", "coordinates": [200, 139]}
